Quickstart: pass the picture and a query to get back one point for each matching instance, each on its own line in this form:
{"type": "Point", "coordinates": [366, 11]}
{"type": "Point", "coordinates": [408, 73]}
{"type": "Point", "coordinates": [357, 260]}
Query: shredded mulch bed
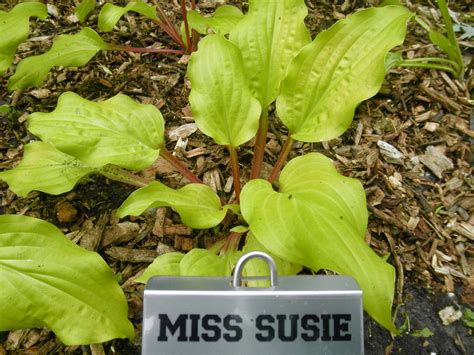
{"type": "Point", "coordinates": [410, 146]}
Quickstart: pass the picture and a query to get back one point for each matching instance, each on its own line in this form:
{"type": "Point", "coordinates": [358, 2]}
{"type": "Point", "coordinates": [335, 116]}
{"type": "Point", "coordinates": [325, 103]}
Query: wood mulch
{"type": "Point", "coordinates": [410, 146]}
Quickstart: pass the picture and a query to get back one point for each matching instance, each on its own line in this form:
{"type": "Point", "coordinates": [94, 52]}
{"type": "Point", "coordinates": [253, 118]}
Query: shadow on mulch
{"type": "Point", "coordinates": [422, 309]}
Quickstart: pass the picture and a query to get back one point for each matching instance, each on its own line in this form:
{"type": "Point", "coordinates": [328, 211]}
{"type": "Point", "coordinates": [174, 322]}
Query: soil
{"type": "Point", "coordinates": [419, 213]}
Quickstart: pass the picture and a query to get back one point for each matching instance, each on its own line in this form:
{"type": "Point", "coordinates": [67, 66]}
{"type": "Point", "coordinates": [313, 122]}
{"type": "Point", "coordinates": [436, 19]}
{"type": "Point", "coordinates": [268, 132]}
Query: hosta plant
{"type": "Point", "coordinates": [73, 50]}
{"type": "Point", "coordinates": [307, 215]}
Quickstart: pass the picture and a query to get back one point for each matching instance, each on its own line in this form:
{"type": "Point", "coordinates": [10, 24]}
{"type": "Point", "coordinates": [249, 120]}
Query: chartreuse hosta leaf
{"type": "Point", "coordinates": [198, 262]}
{"type": "Point", "coordinates": [318, 219]}
{"type": "Point", "coordinates": [269, 36]}
{"type": "Point", "coordinates": [67, 51]}
{"type": "Point", "coordinates": [222, 103]}
{"type": "Point", "coordinates": [84, 9]}
{"type": "Point", "coordinates": [46, 169]}
{"type": "Point", "coordinates": [117, 131]}
{"type": "Point", "coordinates": [340, 68]}
{"type": "Point", "coordinates": [111, 14]}
{"type": "Point", "coordinates": [164, 265]}
{"type": "Point", "coordinates": [198, 206]}
{"type": "Point", "coordinates": [222, 21]}
{"type": "Point", "coordinates": [257, 267]}
{"type": "Point", "coordinates": [48, 281]}
{"type": "Point", "coordinates": [14, 27]}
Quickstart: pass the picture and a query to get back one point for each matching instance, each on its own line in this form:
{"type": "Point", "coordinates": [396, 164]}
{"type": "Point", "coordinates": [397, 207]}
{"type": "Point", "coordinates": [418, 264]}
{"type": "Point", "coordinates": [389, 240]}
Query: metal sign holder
{"type": "Point", "coordinates": [306, 314]}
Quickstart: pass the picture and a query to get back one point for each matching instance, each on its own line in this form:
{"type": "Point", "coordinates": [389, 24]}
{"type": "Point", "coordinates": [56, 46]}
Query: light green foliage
{"type": "Point", "coordinates": [392, 60]}
{"type": "Point", "coordinates": [5, 109]}
{"type": "Point", "coordinates": [468, 318]}
{"type": "Point", "coordinates": [269, 36]}
{"type": "Point", "coordinates": [116, 131]}
{"type": "Point", "coordinates": [67, 51]}
{"type": "Point", "coordinates": [222, 21]}
{"type": "Point", "coordinates": [164, 265]}
{"type": "Point", "coordinates": [198, 262]}
{"type": "Point", "coordinates": [422, 333]}
{"type": "Point", "coordinates": [46, 169]}
{"type": "Point", "coordinates": [260, 267]}
{"type": "Point", "coordinates": [318, 219]}
{"type": "Point", "coordinates": [222, 104]}
{"type": "Point", "coordinates": [198, 206]}
{"type": "Point", "coordinates": [340, 68]}
{"type": "Point", "coordinates": [202, 262]}
{"type": "Point", "coordinates": [257, 267]}
{"type": "Point", "coordinates": [84, 9]}
{"type": "Point", "coordinates": [449, 45]}
{"type": "Point", "coordinates": [48, 281]}
{"type": "Point", "coordinates": [14, 28]}
{"type": "Point", "coordinates": [111, 14]}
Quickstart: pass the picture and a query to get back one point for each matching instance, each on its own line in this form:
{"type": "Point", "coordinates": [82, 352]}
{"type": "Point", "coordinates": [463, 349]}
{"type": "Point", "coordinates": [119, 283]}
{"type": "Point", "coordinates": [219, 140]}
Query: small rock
{"type": "Point", "coordinates": [66, 212]}
{"type": "Point", "coordinates": [449, 315]}
{"type": "Point", "coordinates": [390, 153]}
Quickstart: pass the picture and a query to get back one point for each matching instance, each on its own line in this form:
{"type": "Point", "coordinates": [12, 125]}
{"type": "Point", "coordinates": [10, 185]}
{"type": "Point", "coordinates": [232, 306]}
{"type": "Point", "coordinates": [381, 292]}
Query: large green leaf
{"type": "Point", "coordinates": [46, 169]}
{"type": "Point", "coordinates": [48, 281]}
{"type": "Point", "coordinates": [222, 104]}
{"type": "Point", "coordinates": [269, 36]}
{"type": "Point", "coordinates": [116, 131]}
{"type": "Point", "coordinates": [198, 206]}
{"type": "Point", "coordinates": [318, 219]}
{"type": "Point", "coordinates": [111, 14]}
{"type": "Point", "coordinates": [340, 68]}
{"type": "Point", "coordinates": [222, 21]}
{"type": "Point", "coordinates": [14, 27]}
{"type": "Point", "coordinates": [67, 51]}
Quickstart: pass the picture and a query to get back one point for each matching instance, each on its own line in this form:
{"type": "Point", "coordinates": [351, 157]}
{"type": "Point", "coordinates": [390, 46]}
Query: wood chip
{"type": "Point", "coordinates": [442, 99]}
{"type": "Point", "coordinates": [435, 160]}
{"type": "Point", "coordinates": [158, 227]}
{"type": "Point", "coordinates": [184, 244]}
{"type": "Point", "coordinates": [119, 233]}
{"type": "Point", "coordinates": [390, 153]}
{"type": "Point", "coordinates": [212, 178]}
{"type": "Point", "coordinates": [132, 255]}
{"type": "Point", "coordinates": [431, 126]}
{"type": "Point", "coordinates": [91, 234]}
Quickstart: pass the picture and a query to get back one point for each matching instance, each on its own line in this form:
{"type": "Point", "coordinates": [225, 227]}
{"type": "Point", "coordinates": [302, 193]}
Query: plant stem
{"type": "Point", "coordinates": [433, 60]}
{"type": "Point", "coordinates": [186, 25]}
{"type": "Point", "coordinates": [448, 23]}
{"type": "Point", "coordinates": [231, 243]}
{"type": "Point", "coordinates": [234, 162]}
{"type": "Point", "coordinates": [259, 147]}
{"type": "Point", "coordinates": [168, 27]}
{"type": "Point", "coordinates": [117, 47]}
{"type": "Point", "coordinates": [428, 66]}
{"type": "Point", "coordinates": [118, 174]}
{"type": "Point", "coordinates": [281, 159]}
{"type": "Point", "coordinates": [193, 4]}
{"type": "Point", "coordinates": [170, 158]}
